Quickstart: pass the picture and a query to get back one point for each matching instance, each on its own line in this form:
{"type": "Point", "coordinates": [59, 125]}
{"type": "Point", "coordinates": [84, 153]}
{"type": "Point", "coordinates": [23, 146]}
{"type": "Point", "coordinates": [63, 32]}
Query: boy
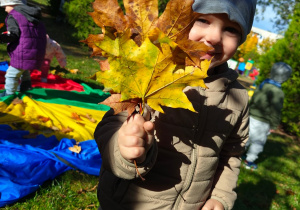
{"type": "Point", "coordinates": [189, 160]}
{"type": "Point", "coordinates": [265, 111]}
{"type": "Point", "coordinates": [26, 38]}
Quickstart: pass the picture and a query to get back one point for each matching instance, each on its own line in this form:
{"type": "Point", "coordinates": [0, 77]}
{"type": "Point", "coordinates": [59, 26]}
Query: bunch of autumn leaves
{"type": "Point", "coordinates": [148, 59]}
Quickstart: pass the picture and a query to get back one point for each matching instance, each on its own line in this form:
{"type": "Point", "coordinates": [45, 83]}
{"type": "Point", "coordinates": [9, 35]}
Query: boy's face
{"type": "Point", "coordinates": [217, 31]}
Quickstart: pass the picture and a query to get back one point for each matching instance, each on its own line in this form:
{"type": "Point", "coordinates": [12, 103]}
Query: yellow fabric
{"type": "Point", "coordinates": [33, 116]}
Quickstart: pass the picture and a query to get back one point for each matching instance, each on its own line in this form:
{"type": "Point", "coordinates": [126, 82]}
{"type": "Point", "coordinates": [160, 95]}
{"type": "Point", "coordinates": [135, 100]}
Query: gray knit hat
{"type": "Point", "coordinates": [281, 72]}
{"type": "Point", "coordinates": [10, 2]}
{"type": "Point", "coordinates": [239, 11]}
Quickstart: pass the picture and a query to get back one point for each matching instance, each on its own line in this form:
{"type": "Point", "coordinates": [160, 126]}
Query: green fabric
{"type": "Point", "coordinates": [87, 99]}
{"type": "Point", "coordinates": [266, 104]}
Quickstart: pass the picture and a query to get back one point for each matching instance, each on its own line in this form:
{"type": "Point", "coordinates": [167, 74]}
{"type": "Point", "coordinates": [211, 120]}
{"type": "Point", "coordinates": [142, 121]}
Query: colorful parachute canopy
{"type": "Point", "coordinates": [25, 164]}
{"type": "Point", "coordinates": [40, 130]}
{"type": "Point", "coordinates": [54, 82]}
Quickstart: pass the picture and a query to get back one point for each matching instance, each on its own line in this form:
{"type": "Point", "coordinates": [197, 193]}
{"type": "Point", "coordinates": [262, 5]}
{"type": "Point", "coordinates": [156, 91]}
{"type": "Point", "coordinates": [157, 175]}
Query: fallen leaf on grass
{"type": "Point", "coordinates": [87, 190]}
{"type": "Point", "coordinates": [61, 74]}
{"type": "Point", "coordinates": [92, 189]}
{"type": "Point", "coordinates": [53, 71]}
{"type": "Point", "coordinates": [73, 71]}
{"type": "Point", "coordinates": [289, 192]}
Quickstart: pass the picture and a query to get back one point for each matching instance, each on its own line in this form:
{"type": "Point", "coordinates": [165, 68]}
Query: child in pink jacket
{"type": "Point", "coordinates": [52, 49]}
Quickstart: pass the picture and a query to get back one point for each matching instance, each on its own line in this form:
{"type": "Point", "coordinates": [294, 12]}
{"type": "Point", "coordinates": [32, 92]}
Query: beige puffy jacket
{"type": "Point", "coordinates": [196, 156]}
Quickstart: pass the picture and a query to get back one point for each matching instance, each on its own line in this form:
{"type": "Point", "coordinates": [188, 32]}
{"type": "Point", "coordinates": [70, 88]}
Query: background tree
{"type": "Point", "coordinates": [287, 50]}
{"type": "Point", "coordinates": [265, 45]}
{"type": "Point", "coordinates": [76, 15]}
{"type": "Point", "coordinates": [283, 8]}
{"type": "Point", "coordinates": [248, 49]}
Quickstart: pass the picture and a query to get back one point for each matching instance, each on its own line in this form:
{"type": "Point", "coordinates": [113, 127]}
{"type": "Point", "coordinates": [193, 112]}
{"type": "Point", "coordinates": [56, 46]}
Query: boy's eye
{"type": "Point", "coordinates": [202, 20]}
{"type": "Point", "coordinates": [232, 30]}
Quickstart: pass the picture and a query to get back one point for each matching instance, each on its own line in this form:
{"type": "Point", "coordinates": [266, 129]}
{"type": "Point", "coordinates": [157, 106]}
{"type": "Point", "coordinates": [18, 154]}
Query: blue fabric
{"type": "Point", "coordinates": [25, 164]}
{"type": "Point", "coordinates": [4, 65]}
{"type": "Point", "coordinates": [270, 81]}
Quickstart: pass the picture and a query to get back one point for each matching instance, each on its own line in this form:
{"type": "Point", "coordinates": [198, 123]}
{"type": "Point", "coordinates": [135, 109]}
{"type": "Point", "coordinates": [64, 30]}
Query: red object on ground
{"type": "Point", "coordinates": [54, 82]}
{"type": "Point", "coordinates": [253, 74]}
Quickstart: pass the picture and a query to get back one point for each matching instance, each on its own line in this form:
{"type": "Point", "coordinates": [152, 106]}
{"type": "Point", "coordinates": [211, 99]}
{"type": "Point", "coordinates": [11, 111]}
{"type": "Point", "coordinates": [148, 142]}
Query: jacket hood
{"type": "Point", "coordinates": [32, 13]}
{"type": "Point", "coordinates": [221, 79]}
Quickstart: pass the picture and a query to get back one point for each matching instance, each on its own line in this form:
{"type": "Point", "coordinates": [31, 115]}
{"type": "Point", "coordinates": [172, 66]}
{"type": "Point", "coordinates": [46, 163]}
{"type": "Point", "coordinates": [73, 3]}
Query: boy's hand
{"type": "Point", "coordinates": [213, 204]}
{"type": "Point", "coordinates": [136, 138]}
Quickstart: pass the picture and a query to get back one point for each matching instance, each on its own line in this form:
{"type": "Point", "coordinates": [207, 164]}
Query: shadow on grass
{"type": "Point", "coordinates": [255, 196]}
{"type": "Point", "coordinates": [272, 183]}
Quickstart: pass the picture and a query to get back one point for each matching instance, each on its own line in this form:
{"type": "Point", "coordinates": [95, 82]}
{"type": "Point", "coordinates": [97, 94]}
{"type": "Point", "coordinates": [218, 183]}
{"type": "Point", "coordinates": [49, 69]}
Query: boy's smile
{"type": "Point", "coordinates": [217, 31]}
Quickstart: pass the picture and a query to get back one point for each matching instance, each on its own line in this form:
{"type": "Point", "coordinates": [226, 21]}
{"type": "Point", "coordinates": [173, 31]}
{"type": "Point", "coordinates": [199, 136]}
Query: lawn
{"type": "Point", "coordinates": [275, 185]}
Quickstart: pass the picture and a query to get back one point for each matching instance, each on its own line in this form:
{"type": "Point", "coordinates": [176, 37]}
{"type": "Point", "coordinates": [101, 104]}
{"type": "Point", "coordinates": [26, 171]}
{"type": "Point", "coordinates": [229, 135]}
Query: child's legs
{"type": "Point", "coordinates": [12, 79]}
{"type": "Point", "coordinates": [25, 76]}
{"type": "Point", "coordinates": [45, 68]}
{"type": "Point", "coordinates": [258, 133]}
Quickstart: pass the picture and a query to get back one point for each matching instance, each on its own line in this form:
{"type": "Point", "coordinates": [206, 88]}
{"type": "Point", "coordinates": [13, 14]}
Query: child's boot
{"type": "Point", "coordinates": [25, 85]}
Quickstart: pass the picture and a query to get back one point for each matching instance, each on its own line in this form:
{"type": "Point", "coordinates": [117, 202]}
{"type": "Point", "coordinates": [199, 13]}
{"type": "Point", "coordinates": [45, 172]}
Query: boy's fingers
{"type": "Point", "coordinates": [133, 153]}
{"type": "Point", "coordinates": [133, 141]}
{"type": "Point", "coordinates": [149, 129]}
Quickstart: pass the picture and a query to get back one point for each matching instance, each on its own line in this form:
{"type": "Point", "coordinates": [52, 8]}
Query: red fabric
{"type": "Point", "coordinates": [2, 79]}
{"type": "Point", "coordinates": [54, 82]}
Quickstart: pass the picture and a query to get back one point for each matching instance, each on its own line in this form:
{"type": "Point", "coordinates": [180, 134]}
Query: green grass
{"type": "Point", "coordinates": [275, 185]}
{"type": "Point", "coordinates": [72, 190]}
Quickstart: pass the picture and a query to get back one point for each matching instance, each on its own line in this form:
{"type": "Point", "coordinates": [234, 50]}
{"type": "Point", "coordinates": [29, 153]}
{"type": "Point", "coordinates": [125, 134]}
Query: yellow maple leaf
{"type": "Point", "coordinates": [150, 59]}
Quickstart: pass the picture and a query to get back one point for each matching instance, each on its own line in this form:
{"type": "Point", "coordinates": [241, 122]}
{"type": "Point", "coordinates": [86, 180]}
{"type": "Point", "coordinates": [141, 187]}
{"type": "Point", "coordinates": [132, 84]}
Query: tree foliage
{"type": "Point", "coordinates": [284, 9]}
{"type": "Point", "coordinates": [266, 44]}
{"type": "Point", "coordinates": [287, 50]}
{"type": "Point", "coordinates": [248, 49]}
{"type": "Point", "coordinates": [76, 15]}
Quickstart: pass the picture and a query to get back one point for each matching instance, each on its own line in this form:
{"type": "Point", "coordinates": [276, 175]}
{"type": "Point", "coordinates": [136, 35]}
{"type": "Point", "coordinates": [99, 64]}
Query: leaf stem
{"type": "Point", "coordinates": [137, 171]}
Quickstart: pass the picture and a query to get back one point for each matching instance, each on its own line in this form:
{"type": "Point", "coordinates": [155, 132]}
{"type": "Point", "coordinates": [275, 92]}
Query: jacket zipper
{"type": "Point", "coordinates": [189, 177]}
{"type": "Point", "coordinates": [191, 171]}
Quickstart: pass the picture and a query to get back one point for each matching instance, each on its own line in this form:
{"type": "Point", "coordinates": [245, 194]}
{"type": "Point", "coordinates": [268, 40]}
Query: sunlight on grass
{"type": "Point", "coordinates": [72, 190]}
{"type": "Point", "coordinates": [275, 184]}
